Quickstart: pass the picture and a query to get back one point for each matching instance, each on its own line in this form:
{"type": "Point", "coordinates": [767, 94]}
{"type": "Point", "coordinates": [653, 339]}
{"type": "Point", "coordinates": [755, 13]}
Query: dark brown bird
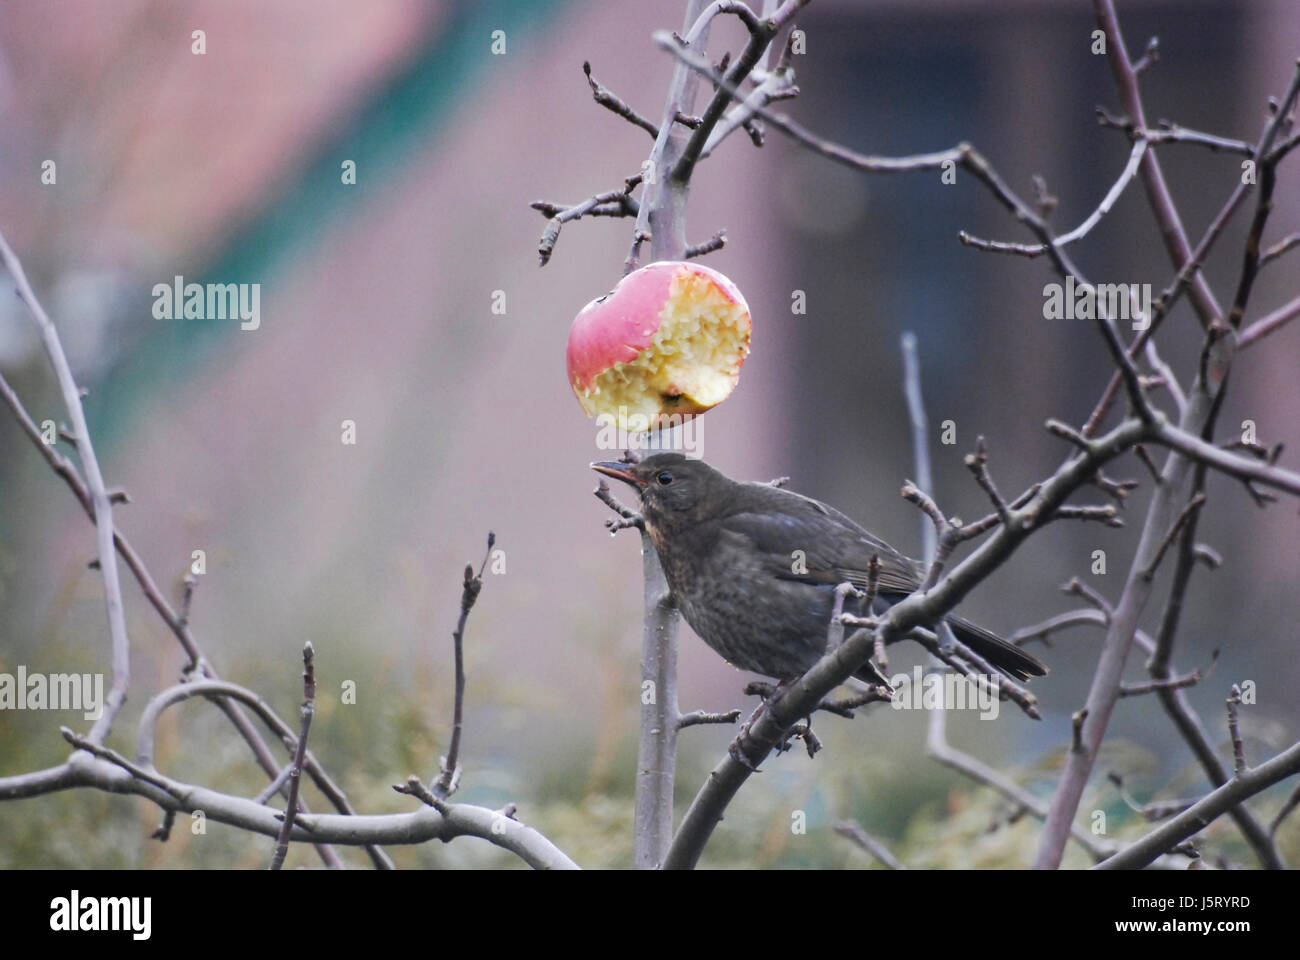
{"type": "Point", "coordinates": [753, 568]}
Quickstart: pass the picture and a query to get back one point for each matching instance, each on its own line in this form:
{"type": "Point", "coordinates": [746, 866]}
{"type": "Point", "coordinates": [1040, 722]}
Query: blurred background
{"type": "Point", "coordinates": [377, 307]}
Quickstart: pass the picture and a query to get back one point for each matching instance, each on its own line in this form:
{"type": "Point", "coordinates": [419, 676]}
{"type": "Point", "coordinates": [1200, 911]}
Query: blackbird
{"type": "Point", "coordinates": [753, 568]}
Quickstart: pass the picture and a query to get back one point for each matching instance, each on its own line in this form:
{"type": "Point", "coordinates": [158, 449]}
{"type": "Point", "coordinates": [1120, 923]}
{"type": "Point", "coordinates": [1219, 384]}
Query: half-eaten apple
{"type": "Point", "coordinates": [664, 345]}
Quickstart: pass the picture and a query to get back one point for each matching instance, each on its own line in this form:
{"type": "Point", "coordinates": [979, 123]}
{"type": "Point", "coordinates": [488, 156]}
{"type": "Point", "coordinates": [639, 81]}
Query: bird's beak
{"type": "Point", "coordinates": [619, 471]}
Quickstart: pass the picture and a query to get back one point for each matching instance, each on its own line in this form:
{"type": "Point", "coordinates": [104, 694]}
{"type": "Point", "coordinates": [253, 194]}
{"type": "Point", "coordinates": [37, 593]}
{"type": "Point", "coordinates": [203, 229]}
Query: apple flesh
{"type": "Point", "coordinates": [664, 345]}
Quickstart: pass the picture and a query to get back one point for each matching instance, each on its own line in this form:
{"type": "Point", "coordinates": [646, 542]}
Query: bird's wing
{"type": "Point", "coordinates": [803, 539]}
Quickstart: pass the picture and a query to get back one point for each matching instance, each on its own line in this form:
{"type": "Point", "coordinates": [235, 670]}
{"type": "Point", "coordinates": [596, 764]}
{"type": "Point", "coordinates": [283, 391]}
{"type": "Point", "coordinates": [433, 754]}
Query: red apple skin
{"type": "Point", "coordinates": [617, 327]}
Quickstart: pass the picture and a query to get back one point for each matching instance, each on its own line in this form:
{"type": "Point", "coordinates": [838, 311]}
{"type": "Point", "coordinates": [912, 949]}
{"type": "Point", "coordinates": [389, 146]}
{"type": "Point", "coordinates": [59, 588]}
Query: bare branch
{"type": "Point", "coordinates": [761, 33]}
{"type": "Point", "coordinates": [1215, 457]}
{"type": "Point", "coordinates": [1269, 323]}
{"type": "Point", "coordinates": [1161, 306]}
{"type": "Point", "coordinates": [627, 517]}
{"type": "Point", "coordinates": [1149, 56]}
{"type": "Point", "coordinates": [414, 787]}
{"type": "Point", "coordinates": [1263, 202]}
{"type": "Point", "coordinates": [1083, 229]}
{"type": "Point", "coordinates": [1198, 816]}
{"type": "Point", "coordinates": [864, 841]}
{"type": "Point", "coordinates": [1282, 246]}
{"type": "Point", "coordinates": [1292, 802]}
{"type": "Point", "coordinates": [696, 717]}
{"type": "Point", "coordinates": [977, 464]}
{"type": "Point", "coordinates": [1061, 621]}
{"type": "Point", "coordinates": [1103, 514]}
{"type": "Point", "coordinates": [615, 203]}
{"type": "Point", "coordinates": [299, 756]}
{"type": "Point", "coordinates": [1076, 727]}
{"type": "Point", "coordinates": [820, 145]}
{"type": "Point", "coordinates": [1238, 750]}
{"type": "Point", "coordinates": [1193, 505]}
{"type": "Point", "coordinates": [610, 101]}
{"type": "Point", "coordinates": [1173, 133]}
{"type": "Point", "coordinates": [714, 243]}
{"type": "Point", "coordinates": [1162, 204]}
{"type": "Point", "coordinates": [835, 629]}
{"type": "Point", "coordinates": [102, 506]}
{"type": "Point", "coordinates": [445, 785]}
{"type": "Point", "coordinates": [1151, 686]}
{"type": "Point", "coordinates": [1080, 589]}
{"type": "Point", "coordinates": [1155, 810]}
{"type": "Point", "coordinates": [108, 771]}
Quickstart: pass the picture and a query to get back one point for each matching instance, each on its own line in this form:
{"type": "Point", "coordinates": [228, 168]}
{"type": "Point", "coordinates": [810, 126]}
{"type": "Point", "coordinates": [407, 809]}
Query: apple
{"type": "Point", "coordinates": [664, 345]}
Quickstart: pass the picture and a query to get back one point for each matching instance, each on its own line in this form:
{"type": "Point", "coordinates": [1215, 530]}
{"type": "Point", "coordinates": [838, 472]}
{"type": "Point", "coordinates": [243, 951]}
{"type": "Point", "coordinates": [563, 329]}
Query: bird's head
{"type": "Point", "coordinates": [674, 489]}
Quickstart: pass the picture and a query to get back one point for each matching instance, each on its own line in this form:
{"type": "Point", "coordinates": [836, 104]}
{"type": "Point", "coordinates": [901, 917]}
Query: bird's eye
{"type": "Point", "coordinates": [664, 478]}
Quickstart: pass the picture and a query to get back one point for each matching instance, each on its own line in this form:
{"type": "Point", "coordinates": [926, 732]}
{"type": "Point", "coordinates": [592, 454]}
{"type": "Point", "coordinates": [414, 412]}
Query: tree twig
{"type": "Point", "coordinates": [449, 776]}
{"type": "Point", "coordinates": [607, 99]}
{"type": "Point", "coordinates": [102, 506]}
{"type": "Point", "coordinates": [299, 756]}
{"type": "Point", "coordinates": [1200, 814]}
{"type": "Point", "coordinates": [865, 841]}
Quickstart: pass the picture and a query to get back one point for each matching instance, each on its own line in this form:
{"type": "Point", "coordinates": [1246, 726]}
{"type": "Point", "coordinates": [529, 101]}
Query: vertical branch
{"type": "Point", "coordinates": [1174, 700]}
{"type": "Point", "coordinates": [663, 217]}
{"type": "Point", "coordinates": [920, 438]}
{"type": "Point", "coordinates": [1167, 500]}
{"type": "Point", "coordinates": [1153, 178]}
{"type": "Point", "coordinates": [98, 494]}
{"type": "Point", "coordinates": [656, 763]}
{"type": "Point", "coordinates": [299, 755]}
{"type": "Point", "coordinates": [449, 778]}
{"type": "Point", "coordinates": [936, 728]}
{"type": "Point", "coordinates": [663, 207]}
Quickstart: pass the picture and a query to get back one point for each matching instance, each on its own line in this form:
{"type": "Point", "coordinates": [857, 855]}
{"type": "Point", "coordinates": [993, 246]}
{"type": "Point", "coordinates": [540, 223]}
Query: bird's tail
{"type": "Point", "coordinates": [1007, 657]}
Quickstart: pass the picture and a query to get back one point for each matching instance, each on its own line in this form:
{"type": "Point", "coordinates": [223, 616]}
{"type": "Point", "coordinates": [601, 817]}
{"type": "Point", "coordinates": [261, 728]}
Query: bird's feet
{"type": "Point", "coordinates": [801, 731]}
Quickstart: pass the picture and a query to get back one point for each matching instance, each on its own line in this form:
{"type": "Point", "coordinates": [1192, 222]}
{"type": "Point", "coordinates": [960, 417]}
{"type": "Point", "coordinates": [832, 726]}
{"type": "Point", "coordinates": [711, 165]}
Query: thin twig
{"type": "Point", "coordinates": [617, 203]}
{"type": "Point", "coordinates": [103, 508]}
{"type": "Point", "coordinates": [1269, 323]}
{"type": "Point", "coordinates": [449, 777]}
{"type": "Point", "coordinates": [1279, 248]}
{"type": "Point", "coordinates": [1154, 811]}
{"type": "Point", "coordinates": [697, 717]}
{"type": "Point", "coordinates": [1238, 749]}
{"type": "Point", "coordinates": [1194, 504]}
{"type": "Point", "coordinates": [977, 464]}
{"type": "Point", "coordinates": [864, 841]}
{"type": "Point", "coordinates": [1169, 683]}
{"type": "Point", "coordinates": [1267, 174]}
{"type": "Point", "coordinates": [299, 755]}
{"type": "Point", "coordinates": [627, 517]}
{"type": "Point", "coordinates": [1084, 228]}
{"type": "Point", "coordinates": [1292, 802]}
{"type": "Point", "coordinates": [610, 101]}
{"type": "Point", "coordinates": [714, 243]}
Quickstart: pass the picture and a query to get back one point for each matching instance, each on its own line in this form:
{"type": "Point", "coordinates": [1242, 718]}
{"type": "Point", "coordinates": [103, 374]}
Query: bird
{"type": "Point", "coordinates": [754, 568]}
